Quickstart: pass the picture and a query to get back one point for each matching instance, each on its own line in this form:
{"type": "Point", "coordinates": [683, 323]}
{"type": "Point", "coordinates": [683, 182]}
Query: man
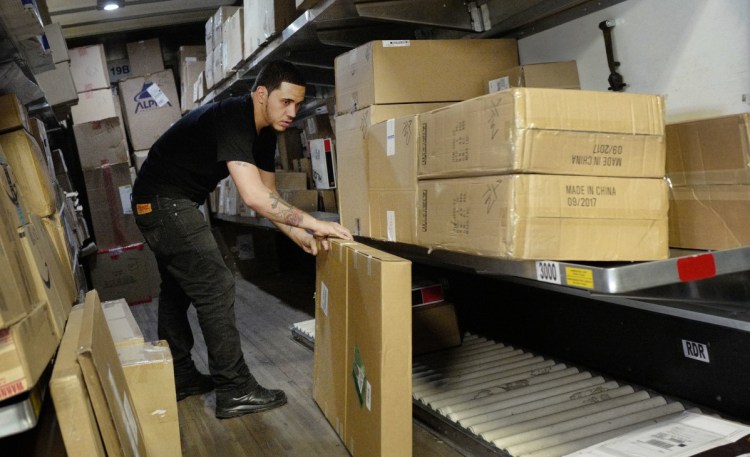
{"type": "Point", "coordinates": [234, 137]}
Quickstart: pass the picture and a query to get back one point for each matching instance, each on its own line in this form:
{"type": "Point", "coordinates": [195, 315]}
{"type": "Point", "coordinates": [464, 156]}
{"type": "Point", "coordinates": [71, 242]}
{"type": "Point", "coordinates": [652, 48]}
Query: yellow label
{"type": "Point", "coordinates": [143, 208]}
{"type": "Point", "coordinates": [579, 277]}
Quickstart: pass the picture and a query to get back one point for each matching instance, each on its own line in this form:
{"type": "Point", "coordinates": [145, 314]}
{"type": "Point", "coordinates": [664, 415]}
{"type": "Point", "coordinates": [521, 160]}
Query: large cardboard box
{"type": "Point", "coordinates": [392, 149]}
{"type": "Point", "coordinates": [39, 131]}
{"type": "Point", "coordinates": [13, 115]}
{"type": "Point", "coordinates": [553, 217]}
{"type": "Point", "coordinates": [291, 180]}
{"type": "Point", "coordinates": [100, 143]}
{"type": "Point", "coordinates": [221, 15]}
{"type": "Point", "coordinates": [329, 365]}
{"type": "Point", "coordinates": [304, 199]}
{"type": "Point", "coordinates": [88, 64]}
{"type": "Point", "coordinates": [434, 327]}
{"type": "Point", "coordinates": [145, 57]}
{"type": "Point", "coordinates": [56, 41]}
{"type": "Point", "coordinates": [26, 348]}
{"type": "Point", "coordinates": [57, 85]}
{"type": "Point", "coordinates": [94, 105]}
{"type": "Point", "coordinates": [108, 190]}
{"type": "Point", "coordinates": [351, 158]}
{"type": "Point", "coordinates": [191, 71]}
{"type": "Point", "coordinates": [150, 106]}
{"type": "Point", "coordinates": [209, 33]}
{"type": "Point", "coordinates": [265, 19]}
{"type": "Point", "coordinates": [233, 38]}
{"type": "Point", "coordinates": [709, 151]}
{"type": "Point", "coordinates": [418, 71]}
{"type": "Point", "coordinates": [71, 399]}
{"type": "Point", "coordinates": [122, 324]}
{"type": "Point", "coordinates": [378, 354]}
{"type": "Point", "coordinates": [30, 169]}
{"type": "Point", "coordinates": [17, 296]}
{"type": "Point", "coordinates": [129, 272]}
{"type": "Point", "coordinates": [150, 378]}
{"type": "Point", "coordinates": [13, 208]}
{"type": "Point", "coordinates": [323, 157]}
{"type": "Point", "coordinates": [105, 381]}
{"type": "Point", "coordinates": [551, 131]}
{"type": "Point", "coordinates": [219, 72]}
{"type": "Point", "coordinates": [559, 75]}
{"type": "Point", "coordinates": [711, 216]}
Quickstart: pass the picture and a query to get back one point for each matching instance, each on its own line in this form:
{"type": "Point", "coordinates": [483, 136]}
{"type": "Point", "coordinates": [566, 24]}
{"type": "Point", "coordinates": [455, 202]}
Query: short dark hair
{"type": "Point", "coordinates": [274, 73]}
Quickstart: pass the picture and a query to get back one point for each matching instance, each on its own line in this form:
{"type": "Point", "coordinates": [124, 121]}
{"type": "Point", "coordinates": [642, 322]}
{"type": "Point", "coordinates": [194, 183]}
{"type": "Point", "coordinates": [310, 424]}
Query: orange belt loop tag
{"type": "Point", "coordinates": [143, 208]}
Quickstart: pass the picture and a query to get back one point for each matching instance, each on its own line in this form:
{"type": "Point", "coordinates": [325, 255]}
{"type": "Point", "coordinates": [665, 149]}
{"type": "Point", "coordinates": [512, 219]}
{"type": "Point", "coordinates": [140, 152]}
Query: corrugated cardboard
{"type": "Point", "coordinates": [150, 105]}
{"type": "Point", "coordinates": [57, 85]}
{"type": "Point", "coordinates": [418, 71]}
{"type": "Point", "coordinates": [328, 200]}
{"type": "Point", "coordinates": [378, 354]}
{"type": "Point", "coordinates": [393, 215]}
{"type": "Point", "coordinates": [330, 368]}
{"type": "Point", "coordinates": [150, 378]}
{"type": "Point", "coordinates": [209, 71]}
{"type": "Point", "coordinates": [323, 157]}
{"type": "Point", "coordinates": [105, 382]}
{"type": "Point", "coordinates": [709, 151]}
{"type": "Point", "coordinates": [291, 180]}
{"type": "Point", "coordinates": [15, 210]}
{"type": "Point", "coordinates": [108, 190]}
{"type": "Point", "coordinates": [304, 199]}
{"type": "Point", "coordinates": [30, 169]}
{"type": "Point", "coordinates": [351, 158]}
{"type": "Point", "coordinates": [559, 75]}
{"type": "Point", "coordinates": [221, 15]}
{"type": "Point", "coordinates": [57, 43]}
{"type": "Point", "coordinates": [709, 216]}
{"type": "Point", "coordinates": [289, 144]}
{"type": "Point", "coordinates": [101, 142]}
{"type": "Point", "coordinates": [552, 131]}
{"type": "Point", "coordinates": [434, 327]}
{"type": "Point", "coordinates": [265, 19]}
{"type": "Point", "coordinates": [122, 324]}
{"type": "Point", "coordinates": [554, 217]}
{"type": "Point", "coordinates": [94, 105]}
{"type": "Point", "coordinates": [39, 131]}
{"type": "Point", "coordinates": [16, 298]}
{"type": "Point", "coordinates": [145, 57]}
{"type": "Point", "coordinates": [191, 71]}
{"type": "Point", "coordinates": [63, 242]}
{"type": "Point", "coordinates": [129, 272]}
{"type": "Point", "coordinates": [13, 115]}
{"type": "Point", "coordinates": [26, 348]}
{"type": "Point", "coordinates": [88, 64]}
{"type": "Point", "coordinates": [209, 32]}
{"type": "Point", "coordinates": [71, 399]}
{"type": "Point", "coordinates": [233, 38]}
{"type": "Point", "coordinates": [217, 64]}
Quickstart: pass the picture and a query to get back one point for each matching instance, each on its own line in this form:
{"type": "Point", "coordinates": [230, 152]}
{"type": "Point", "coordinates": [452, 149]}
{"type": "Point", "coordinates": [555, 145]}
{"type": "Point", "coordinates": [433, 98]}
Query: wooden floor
{"type": "Point", "coordinates": [265, 311]}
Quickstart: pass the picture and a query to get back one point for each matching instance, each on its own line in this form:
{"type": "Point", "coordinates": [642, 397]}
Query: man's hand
{"type": "Point", "coordinates": [327, 229]}
{"type": "Point", "coordinates": [307, 242]}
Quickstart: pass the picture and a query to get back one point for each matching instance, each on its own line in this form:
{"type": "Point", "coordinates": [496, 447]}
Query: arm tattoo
{"type": "Point", "coordinates": [288, 213]}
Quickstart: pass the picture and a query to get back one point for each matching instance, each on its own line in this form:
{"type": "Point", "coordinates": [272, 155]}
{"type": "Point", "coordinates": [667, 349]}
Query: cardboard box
{"type": "Point", "coordinates": [73, 407]}
{"type": "Point", "coordinates": [150, 106]}
{"type": "Point", "coordinates": [16, 299]}
{"type": "Point", "coordinates": [329, 365]}
{"type": "Point", "coordinates": [129, 272]}
{"type": "Point", "coordinates": [13, 115]}
{"type": "Point", "coordinates": [145, 57]}
{"type": "Point", "coordinates": [233, 39]}
{"type": "Point", "coordinates": [105, 382]}
{"type": "Point", "coordinates": [393, 215]}
{"type": "Point", "coordinates": [191, 71]}
{"type": "Point", "coordinates": [30, 169]}
{"type": "Point", "coordinates": [265, 19]}
{"type": "Point", "coordinates": [64, 243]}
{"type": "Point", "coordinates": [553, 217]}
{"type": "Point", "coordinates": [217, 64]}
{"type": "Point", "coordinates": [100, 142]}
{"type": "Point", "coordinates": [209, 29]}
{"type": "Point", "coordinates": [57, 85]}
{"type": "Point", "coordinates": [709, 151]}
{"type": "Point", "coordinates": [39, 131]}
{"type": "Point", "coordinates": [551, 131]}
{"type": "Point", "coordinates": [122, 324]}
{"type": "Point", "coordinates": [304, 199]}
{"type": "Point", "coordinates": [138, 158]}
{"type": "Point", "coordinates": [558, 75]}
{"type": "Point", "coordinates": [289, 144]}
{"type": "Point", "coordinates": [351, 158]}
{"type": "Point", "coordinates": [222, 15]}
{"type": "Point", "coordinates": [208, 72]}
{"type": "Point", "coordinates": [191, 54]}
{"type": "Point", "coordinates": [291, 180]}
{"type": "Point", "coordinates": [94, 105]}
{"type": "Point", "coordinates": [713, 216]}
{"type": "Point", "coordinates": [13, 209]}
{"type": "Point", "coordinates": [327, 197]}
{"type": "Point", "coordinates": [323, 157]}
{"type": "Point", "coordinates": [108, 190]}
{"type": "Point", "coordinates": [88, 64]}
{"type": "Point", "coordinates": [199, 87]}
{"type": "Point", "coordinates": [378, 354]}
{"type": "Point", "coordinates": [318, 126]}
{"type": "Point", "coordinates": [26, 349]}
{"type": "Point", "coordinates": [434, 327]}
{"type": "Point", "coordinates": [419, 71]}
{"type": "Point", "coordinates": [150, 378]}
{"type": "Point", "coordinates": [56, 41]}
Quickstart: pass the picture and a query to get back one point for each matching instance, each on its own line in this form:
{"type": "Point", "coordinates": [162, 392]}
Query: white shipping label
{"type": "Point", "coordinates": [396, 43]}
{"type": "Point", "coordinates": [547, 271]}
{"type": "Point", "coordinates": [156, 93]}
{"type": "Point", "coordinates": [499, 84]}
{"type": "Point", "coordinates": [368, 396]}
{"type": "Point", "coordinates": [695, 351]}
{"type": "Point", "coordinates": [390, 137]}
{"type": "Point", "coordinates": [125, 192]}
{"type": "Point", "coordinates": [324, 298]}
{"type": "Point", "coordinates": [390, 217]}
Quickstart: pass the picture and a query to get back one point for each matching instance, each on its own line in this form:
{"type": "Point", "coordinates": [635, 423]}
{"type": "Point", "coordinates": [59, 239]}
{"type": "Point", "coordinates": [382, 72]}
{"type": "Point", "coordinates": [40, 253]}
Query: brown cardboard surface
{"type": "Point", "coordinates": [329, 368]}
{"type": "Point", "coordinates": [145, 57]}
{"type": "Point", "coordinates": [289, 143]}
{"type": "Point", "coordinates": [352, 161]}
{"type": "Point", "coordinates": [418, 71]}
{"type": "Point", "coordinates": [26, 348]}
{"type": "Point", "coordinates": [39, 132]}
{"type": "Point", "coordinates": [709, 151]}
{"type": "Point", "coordinates": [392, 149]}
{"type": "Point", "coordinates": [146, 116]}
{"type": "Point", "coordinates": [150, 378]}
{"type": "Point", "coordinates": [553, 217]}
{"type": "Point", "coordinates": [106, 384]}
{"type": "Point", "coordinates": [265, 19]}
{"type": "Point", "coordinates": [73, 407]}
{"type": "Point", "coordinates": [89, 67]}
{"type": "Point", "coordinates": [190, 71]}
{"type": "Point", "coordinates": [291, 180]}
{"type": "Point", "coordinates": [101, 142]}
{"type": "Point", "coordinates": [63, 243]}
{"type": "Point", "coordinates": [304, 199]}
{"type": "Point", "coordinates": [127, 272]}
{"type": "Point", "coordinates": [58, 85]}
{"type": "Point", "coordinates": [233, 37]}
{"type": "Point", "coordinates": [393, 215]}
{"type": "Point", "coordinates": [122, 324]}
{"type": "Point", "coordinates": [13, 115]}
{"type": "Point", "coordinates": [560, 75]}
{"type": "Point", "coordinates": [551, 131]}
{"type": "Point", "coordinates": [29, 167]}
{"type": "Point", "coordinates": [13, 211]}
{"type": "Point", "coordinates": [328, 199]}
{"type": "Point", "coordinates": [434, 327]}
{"type": "Point", "coordinates": [378, 355]}
{"type": "Point", "coordinates": [94, 105]}
{"type": "Point", "coordinates": [709, 216]}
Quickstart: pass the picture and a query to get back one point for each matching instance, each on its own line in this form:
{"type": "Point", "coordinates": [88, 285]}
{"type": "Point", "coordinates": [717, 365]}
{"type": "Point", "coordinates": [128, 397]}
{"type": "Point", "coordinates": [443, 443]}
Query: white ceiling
{"type": "Point", "coordinates": [80, 18]}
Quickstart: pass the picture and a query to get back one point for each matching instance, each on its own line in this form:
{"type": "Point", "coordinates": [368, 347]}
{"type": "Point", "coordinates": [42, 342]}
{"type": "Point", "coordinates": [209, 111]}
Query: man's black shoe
{"type": "Point", "coordinates": [260, 399]}
{"type": "Point", "coordinates": [195, 385]}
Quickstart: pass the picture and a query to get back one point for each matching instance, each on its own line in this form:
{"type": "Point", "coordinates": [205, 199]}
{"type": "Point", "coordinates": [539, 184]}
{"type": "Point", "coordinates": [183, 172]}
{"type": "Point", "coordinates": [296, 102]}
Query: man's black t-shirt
{"type": "Point", "coordinates": [190, 158]}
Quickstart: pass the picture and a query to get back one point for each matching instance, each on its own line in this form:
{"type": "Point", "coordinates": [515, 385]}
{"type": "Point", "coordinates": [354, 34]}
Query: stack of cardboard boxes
{"type": "Point", "coordinates": [707, 166]}
{"type": "Point", "coordinates": [192, 62]}
{"type": "Point", "coordinates": [57, 84]}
